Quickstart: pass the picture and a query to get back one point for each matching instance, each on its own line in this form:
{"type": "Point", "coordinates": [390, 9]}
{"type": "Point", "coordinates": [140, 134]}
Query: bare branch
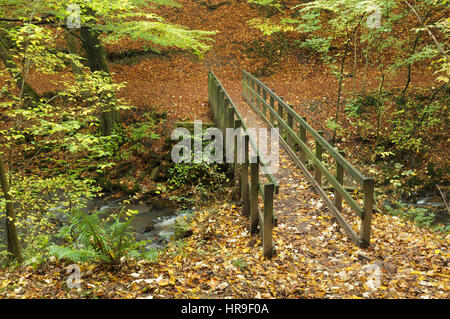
{"type": "Point", "coordinates": [439, 46]}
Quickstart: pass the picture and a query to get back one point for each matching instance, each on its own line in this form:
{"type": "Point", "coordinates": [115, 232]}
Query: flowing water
{"type": "Point", "coordinates": [434, 205]}
{"type": "Point", "coordinates": [155, 219]}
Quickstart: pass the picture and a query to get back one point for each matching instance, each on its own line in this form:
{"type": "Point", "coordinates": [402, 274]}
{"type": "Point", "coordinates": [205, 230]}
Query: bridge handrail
{"type": "Point", "coordinates": [226, 115]}
{"type": "Point", "coordinates": [256, 93]}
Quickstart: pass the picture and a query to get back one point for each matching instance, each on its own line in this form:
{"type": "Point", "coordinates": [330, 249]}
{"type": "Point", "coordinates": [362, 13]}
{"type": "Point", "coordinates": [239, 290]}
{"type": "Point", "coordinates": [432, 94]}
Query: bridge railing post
{"type": "Point", "coordinates": [237, 148]}
{"type": "Point", "coordinates": [368, 187]}
{"type": "Point", "coordinates": [264, 106]}
{"type": "Point", "coordinates": [254, 189]}
{"type": "Point", "coordinates": [230, 143]}
{"type": "Point", "coordinates": [302, 136]}
{"type": "Point", "coordinates": [272, 106]}
{"type": "Point", "coordinates": [224, 107]}
{"type": "Point", "coordinates": [258, 93]}
{"type": "Point", "coordinates": [340, 179]}
{"type": "Point", "coordinates": [267, 224]}
{"type": "Point", "coordinates": [280, 113]}
{"type": "Point", "coordinates": [217, 102]}
{"type": "Point", "coordinates": [319, 152]}
{"type": "Point", "coordinates": [210, 94]}
{"type": "Point", "coordinates": [290, 123]}
{"type": "Point", "coordinates": [244, 178]}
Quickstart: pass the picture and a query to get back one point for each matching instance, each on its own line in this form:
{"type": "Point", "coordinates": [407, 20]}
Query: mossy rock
{"type": "Point", "coordinates": [182, 227]}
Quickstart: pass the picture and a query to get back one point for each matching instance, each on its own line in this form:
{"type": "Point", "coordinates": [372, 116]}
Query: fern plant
{"type": "Point", "coordinates": [93, 239]}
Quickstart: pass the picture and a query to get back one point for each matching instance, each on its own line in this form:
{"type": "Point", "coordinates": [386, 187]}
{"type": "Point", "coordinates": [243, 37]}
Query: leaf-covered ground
{"type": "Point", "coordinates": [221, 260]}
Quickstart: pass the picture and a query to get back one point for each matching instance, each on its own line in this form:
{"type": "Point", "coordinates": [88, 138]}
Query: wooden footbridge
{"type": "Point", "coordinates": [306, 148]}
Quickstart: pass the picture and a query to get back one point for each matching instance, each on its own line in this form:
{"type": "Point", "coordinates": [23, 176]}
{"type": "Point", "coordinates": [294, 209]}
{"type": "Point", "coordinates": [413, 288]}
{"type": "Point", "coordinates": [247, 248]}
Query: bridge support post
{"type": "Point", "coordinates": [319, 151]}
{"type": "Point", "coordinates": [229, 143]}
{"type": "Point", "coordinates": [216, 103]}
{"type": "Point", "coordinates": [264, 107]}
{"type": "Point", "coordinates": [267, 226]}
{"type": "Point", "coordinates": [302, 135]}
{"type": "Point", "coordinates": [368, 187]}
{"type": "Point", "coordinates": [340, 179]}
{"type": "Point", "coordinates": [280, 113]}
{"type": "Point", "coordinates": [257, 100]}
{"type": "Point", "coordinates": [272, 106]}
{"type": "Point", "coordinates": [244, 179]}
{"type": "Point", "coordinates": [254, 188]}
{"type": "Point", "coordinates": [290, 123]}
{"type": "Point", "coordinates": [237, 148]}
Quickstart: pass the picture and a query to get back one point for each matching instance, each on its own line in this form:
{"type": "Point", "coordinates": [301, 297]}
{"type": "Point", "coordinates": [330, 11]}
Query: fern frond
{"type": "Point", "coordinates": [74, 255]}
{"type": "Point", "coordinates": [92, 231]}
{"type": "Point", "coordinates": [119, 232]}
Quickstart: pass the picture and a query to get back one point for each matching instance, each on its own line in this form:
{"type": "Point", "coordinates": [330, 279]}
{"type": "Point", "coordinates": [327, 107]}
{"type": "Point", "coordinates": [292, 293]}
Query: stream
{"type": "Point", "coordinates": [434, 205]}
{"type": "Point", "coordinates": [154, 222]}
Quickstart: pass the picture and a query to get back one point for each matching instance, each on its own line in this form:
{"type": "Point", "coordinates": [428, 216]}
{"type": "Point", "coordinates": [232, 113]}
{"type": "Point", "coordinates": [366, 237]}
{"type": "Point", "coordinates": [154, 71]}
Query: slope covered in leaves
{"type": "Point", "coordinates": [221, 260]}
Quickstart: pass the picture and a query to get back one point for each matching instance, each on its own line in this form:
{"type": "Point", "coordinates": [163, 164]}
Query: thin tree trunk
{"type": "Point", "coordinates": [413, 50]}
{"type": "Point", "coordinates": [380, 90]}
{"type": "Point", "coordinates": [11, 231]}
{"type": "Point", "coordinates": [355, 62]}
{"type": "Point", "coordinates": [341, 78]}
{"type": "Point", "coordinates": [29, 94]}
{"type": "Point", "coordinates": [422, 22]}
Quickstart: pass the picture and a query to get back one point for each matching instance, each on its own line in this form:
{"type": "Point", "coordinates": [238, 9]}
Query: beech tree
{"type": "Point", "coordinates": [11, 231]}
{"type": "Point", "coordinates": [94, 23]}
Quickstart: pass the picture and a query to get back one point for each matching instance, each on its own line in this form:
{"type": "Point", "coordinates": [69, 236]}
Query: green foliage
{"type": "Point", "coordinates": [94, 240]}
{"type": "Point", "coordinates": [182, 227]}
{"type": "Point", "coordinates": [39, 201]}
{"type": "Point", "coordinates": [420, 216]}
{"type": "Point", "coordinates": [140, 250]}
{"type": "Point", "coordinates": [319, 44]}
{"type": "Point", "coordinates": [239, 263]}
{"type": "Point", "coordinates": [182, 174]}
{"type": "Point", "coordinates": [140, 131]}
{"type": "Point", "coordinates": [202, 174]}
{"type": "Point", "coordinates": [145, 129]}
{"type": "Point", "coordinates": [120, 19]}
{"type": "Point", "coordinates": [272, 3]}
{"type": "Point", "coordinates": [269, 28]}
{"type": "Point", "coordinates": [361, 105]}
{"type": "Point", "coordinates": [413, 119]}
{"type": "Point", "coordinates": [160, 33]}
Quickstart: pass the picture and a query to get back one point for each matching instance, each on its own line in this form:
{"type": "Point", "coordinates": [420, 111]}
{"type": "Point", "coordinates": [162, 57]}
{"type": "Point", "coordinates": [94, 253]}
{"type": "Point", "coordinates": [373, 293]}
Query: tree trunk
{"type": "Point", "coordinates": [413, 50]}
{"type": "Point", "coordinates": [97, 62]}
{"type": "Point", "coordinates": [341, 78]}
{"type": "Point", "coordinates": [28, 93]}
{"type": "Point", "coordinates": [74, 49]}
{"type": "Point", "coordinates": [11, 231]}
{"type": "Point", "coordinates": [94, 50]}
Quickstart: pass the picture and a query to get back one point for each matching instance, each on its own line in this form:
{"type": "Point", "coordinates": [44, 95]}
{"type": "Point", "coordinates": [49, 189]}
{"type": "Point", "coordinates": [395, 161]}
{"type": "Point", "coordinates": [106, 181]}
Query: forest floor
{"type": "Point", "coordinates": [314, 258]}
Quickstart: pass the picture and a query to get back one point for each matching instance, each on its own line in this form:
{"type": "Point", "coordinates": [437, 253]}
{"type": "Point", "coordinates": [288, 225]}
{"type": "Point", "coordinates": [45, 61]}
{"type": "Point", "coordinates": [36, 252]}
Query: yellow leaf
{"type": "Point", "coordinates": [163, 282]}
